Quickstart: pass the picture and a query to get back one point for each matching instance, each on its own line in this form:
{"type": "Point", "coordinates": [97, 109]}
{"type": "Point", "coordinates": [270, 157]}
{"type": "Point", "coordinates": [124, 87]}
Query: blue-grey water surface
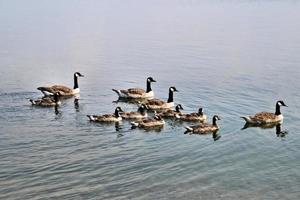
{"type": "Point", "coordinates": [232, 58]}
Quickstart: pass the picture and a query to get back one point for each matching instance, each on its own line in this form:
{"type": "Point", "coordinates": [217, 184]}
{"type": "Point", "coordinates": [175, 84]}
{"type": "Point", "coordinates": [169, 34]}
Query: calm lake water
{"type": "Point", "coordinates": [232, 58]}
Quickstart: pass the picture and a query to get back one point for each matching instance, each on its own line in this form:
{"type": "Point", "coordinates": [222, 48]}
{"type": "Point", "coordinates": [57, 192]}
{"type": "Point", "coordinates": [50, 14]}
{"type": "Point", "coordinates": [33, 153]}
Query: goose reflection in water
{"type": "Point", "coordinates": [130, 101]}
{"type": "Point", "coordinates": [215, 135]}
{"type": "Point", "coordinates": [279, 132]}
{"type": "Point", "coordinates": [76, 104]}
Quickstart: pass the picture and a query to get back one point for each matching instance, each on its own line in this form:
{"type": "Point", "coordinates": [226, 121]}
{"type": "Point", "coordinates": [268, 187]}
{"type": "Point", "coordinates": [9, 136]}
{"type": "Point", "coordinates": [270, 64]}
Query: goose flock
{"type": "Point", "coordinates": [161, 109]}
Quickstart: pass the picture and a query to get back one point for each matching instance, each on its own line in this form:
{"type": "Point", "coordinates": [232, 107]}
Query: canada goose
{"type": "Point", "coordinates": [47, 101]}
{"type": "Point", "coordinates": [204, 128]}
{"type": "Point", "coordinates": [199, 116]}
{"type": "Point", "coordinates": [116, 117]}
{"type": "Point", "coordinates": [157, 121]}
{"type": "Point", "coordinates": [171, 113]}
{"type": "Point", "coordinates": [137, 93]}
{"type": "Point", "coordinates": [64, 91]}
{"type": "Point", "coordinates": [266, 117]}
{"type": "Point", "coordinates": [139, 114]}
{"type": "Point", "coordinates": [157, 104]}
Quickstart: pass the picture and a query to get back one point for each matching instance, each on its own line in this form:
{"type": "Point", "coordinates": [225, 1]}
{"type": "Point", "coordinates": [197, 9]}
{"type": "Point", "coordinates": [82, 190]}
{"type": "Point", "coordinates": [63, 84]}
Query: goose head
{"type": "Point", "coordinates": [200, 111]}
{"type": "Point", "coordinates": [173, 89]}
{"type": "Point", "coordinates": [215, 119]}
{"type": "Point", "coordinates": [150, 80]}
{"type": "Point", "coordinates": [157, 117]}
{"type": "Point", "coordinates": [78, 74]}
{"type": "Point", "coordinates": [178, 107]}
{"type": "Point", "coordinates": [281, 103]}
{"type": "Point", "coordinates": [56, 96]}
{"type": "Point", "coordinates": [118, 110]}
{"type": "Point", "coordinates": [142, 108]}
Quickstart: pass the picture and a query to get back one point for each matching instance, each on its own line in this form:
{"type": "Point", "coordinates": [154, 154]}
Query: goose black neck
{"type": "Point", "coordinates": [75, 82]}
{"type": "Point", "coordinates": [278, 129]}
{"type": "Point", "coordinates": [277, 111]}
{"type": "Point", "coordinates": [141, 110]}
{"type": "Point", "coordinates": [117, 114]}
{"type": "Point", "coordinates": [149, 89]}
{"type": "Point", "coordinates": [214, 122]}
{"type": "Point", "coordinates": [56, 99]}
{"type": "Point", "coordinates": [177, 109]}
{"type": "Point", "coordinates": [200, 112]}
{"type": "Point", "coordinates": [170, 99]}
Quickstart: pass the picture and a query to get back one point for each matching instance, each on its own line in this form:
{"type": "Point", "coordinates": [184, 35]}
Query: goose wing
{"type": "Point", "coordinates": [191, 115]}
{"type": "Point", "coordinates": [137, 91]}
{"type": "Point", "coordinates": [148, 121]}
{"type": "Point", "coordinates": [167, 113]}
{"type": "Point", "coordinates": [263, 116]}
{"type": "Point", "coordinates": [62, 89]}
{"type": "Point", "coordinates": [130, 114]}
{"type": "Point", "coordinates": [156, 102]}
{"type": "Point", "coordinates": [57, 88]}
{"type": "Point", "coordinates": [47, 101]}
{"type": "Point", "coordinates": [106, 117]}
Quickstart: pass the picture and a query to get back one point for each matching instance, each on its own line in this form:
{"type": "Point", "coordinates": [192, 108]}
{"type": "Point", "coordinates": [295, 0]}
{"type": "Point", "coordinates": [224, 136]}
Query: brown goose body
{"type": "Point", "coordinates": [137, 93]}
{"type": "Point", "coordinates": [116, 117]}
{"type": "Point", "coordinates": [139, 114]}
{"type": "Point", "coordinates": [63, 90]}
{"type": "Point", "coordinates": [170, 113]}
{"type": "Point", "coordinates": [157, 104]}
{"type": "Point", "coordinates": [266, 117]}
{"type": "Point", "coordinates": [149, 123]}
{"type": "Point", "coordinates": [199, 116]}
{"type": "Point", "coordinates": [47, 101]}
{"type": "Point", "coordinates": [204, 128]}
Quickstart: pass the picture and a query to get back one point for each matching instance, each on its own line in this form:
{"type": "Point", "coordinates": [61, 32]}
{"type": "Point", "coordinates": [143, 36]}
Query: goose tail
{"type": "Point", "coordinates": [247, 119]}
{"type": "Point", "coordinates": [117, 91]}
{"type": "Point", "coordinates": [46, 91]}
{"type": "Point", "coordinates": [32, 101]}
{"type": "Point", "coordinates": [189, 129]}
{"type": "Point", "coordinates": [41, 88]}
{"type": "Point", "coordinates": [91, 117]}
{"type": "Point", "coordinates": [134, 124]}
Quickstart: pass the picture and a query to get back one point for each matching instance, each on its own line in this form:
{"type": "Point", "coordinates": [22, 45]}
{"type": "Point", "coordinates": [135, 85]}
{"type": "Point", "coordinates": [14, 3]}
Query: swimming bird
{"type": "Point", "coordinates": [47, 101]}
{"type": "Point", "coordinates": [116, 117]}
{"type": "Point", "coordinates": [137, 93]}
{"type": "Point", "coordinates": [64, 90]}
{"type": "Point", "coordinates": [155, 122]}
{"type": "Point", "coordinates": [266, 117]}
{"type": "Point", "coordinates": [204, 128]}
{"type": "Point", "coordinates": [199, 116]}
{"type": "Point", "coordinates": [157, 104]}
{"type": "Point", "coordinates": [171, 113]}
{"type": "Point", "coordinates": [139, 114]}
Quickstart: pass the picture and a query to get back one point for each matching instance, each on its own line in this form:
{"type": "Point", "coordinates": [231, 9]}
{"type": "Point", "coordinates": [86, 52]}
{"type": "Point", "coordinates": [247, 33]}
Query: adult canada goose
{"type": "Point", "coordinates": [157, 121]}
{"type": "Point", "coordinates": [116, 117]}
{"type": "Point", "coordinates": [47, 101]}
{"type": "Point", "coordinates": [157, 104]}
{"type": "Point", "coordinates": [170, 113]}
{"type": "Point", "coordinates": [139, 114]}
{"type": "Point", "coordinates": [64, 90]}
{"type": "Point", "coordinates": [266, 117]}
{"type": "Point", "coordinates": [204, 128]}
{"type": "Point", "coordinates": [199, 116]}
{"type": "Point", "coordinates": [137, 93]}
